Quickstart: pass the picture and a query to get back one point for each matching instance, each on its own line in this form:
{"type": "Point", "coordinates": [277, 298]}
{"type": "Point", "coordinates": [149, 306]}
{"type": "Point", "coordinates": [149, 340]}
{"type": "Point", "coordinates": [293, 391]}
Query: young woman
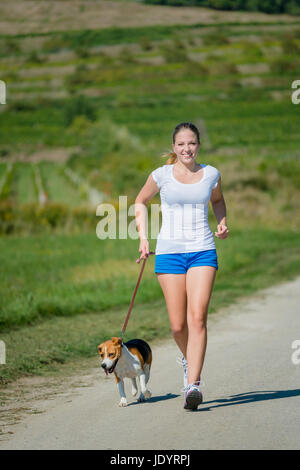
{"type": "Point", "coordinates": [186, 259]}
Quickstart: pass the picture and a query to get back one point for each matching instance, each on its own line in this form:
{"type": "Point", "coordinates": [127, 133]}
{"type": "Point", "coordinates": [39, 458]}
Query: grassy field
{"type": "Point", "coordinates": [92, 110]}
{"type": "Point", "coordinates": [143, 89]}
{"type": "Point", "coordinates": [29, 16]}
{"type": "Point", "coordinates": [63, 295]}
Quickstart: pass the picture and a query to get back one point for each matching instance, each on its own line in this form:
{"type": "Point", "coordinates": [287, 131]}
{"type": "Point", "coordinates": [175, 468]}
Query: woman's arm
{"type": "Point", "coordinates": [145, 195]}
{"type": "Point", "coordinates": [219, 208]}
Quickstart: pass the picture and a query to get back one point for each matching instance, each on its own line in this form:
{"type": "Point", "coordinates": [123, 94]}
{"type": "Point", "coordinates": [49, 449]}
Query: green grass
{"type": "Point", "coordinates": [2, 170]}
{"type": "Point", "coordinates": [149, 100]}
{"type": "Point", "coordinates": [60, 295]}
{"type": "Point", "coordinates": [140, 90]}
{"type": "Point", "coordinates": [253, 115]}
{"type": "Point", "coordinates": [25, 189]}
{"type": "Point", "coordinates": [57, 186]}
{"type": "Point", "coordinates": [48, 317]}
{"type": "Point", "coordinates": [62, 275]}
{"type": "Point", "coordinates": [43, 347]}
{"type": "Point", "coordinates": [121, 35]}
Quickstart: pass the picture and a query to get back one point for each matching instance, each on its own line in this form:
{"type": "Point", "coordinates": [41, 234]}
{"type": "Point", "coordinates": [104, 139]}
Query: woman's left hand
{"type": "Point", "coordinates": [222, 232]}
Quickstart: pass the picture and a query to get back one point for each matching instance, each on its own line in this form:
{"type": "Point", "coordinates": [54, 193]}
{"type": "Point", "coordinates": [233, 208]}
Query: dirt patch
{"type": "Point", "coordinates": [28, 16]}
{"type": "Point", "coordinates": [59, 155]}
{"type": "Point", "coordinates": [50, 95]}
{"type": "Point", "coordinates": [52, 155]}
{"type": "Point", "coordinates": [253, 68]}
{"type": "Point", "coordinates": [51, 71]}
{"type": "Point", "coordinates": [255, 82]}
{"type": "Point", "coordinates": [280, 95]}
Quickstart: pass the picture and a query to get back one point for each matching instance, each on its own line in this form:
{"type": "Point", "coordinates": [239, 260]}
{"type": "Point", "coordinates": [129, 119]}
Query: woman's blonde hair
{"type": "Point", "coordinates": [172, 157]}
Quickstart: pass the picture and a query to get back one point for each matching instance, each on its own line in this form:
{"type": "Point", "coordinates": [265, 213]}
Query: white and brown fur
{"type": "Point", "coordinates": [131, 359]}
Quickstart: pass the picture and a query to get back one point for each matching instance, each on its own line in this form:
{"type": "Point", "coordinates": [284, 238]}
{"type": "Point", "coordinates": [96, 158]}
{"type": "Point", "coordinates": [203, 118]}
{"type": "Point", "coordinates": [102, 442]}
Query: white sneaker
{"type": "Point", "coordinates": [193, 396]}
{"type": "Point", "coordinates": [183, 362]}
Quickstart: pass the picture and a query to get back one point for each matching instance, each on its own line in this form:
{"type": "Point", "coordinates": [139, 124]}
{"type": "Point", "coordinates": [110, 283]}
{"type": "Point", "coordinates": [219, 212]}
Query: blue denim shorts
{"type": "Point", "coordinates": [179, 263]}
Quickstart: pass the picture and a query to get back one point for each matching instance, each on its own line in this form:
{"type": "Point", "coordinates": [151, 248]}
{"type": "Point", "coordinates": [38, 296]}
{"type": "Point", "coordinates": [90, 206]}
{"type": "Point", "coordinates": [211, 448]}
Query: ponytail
{"type": "Point", "coordinates": [171, 156]}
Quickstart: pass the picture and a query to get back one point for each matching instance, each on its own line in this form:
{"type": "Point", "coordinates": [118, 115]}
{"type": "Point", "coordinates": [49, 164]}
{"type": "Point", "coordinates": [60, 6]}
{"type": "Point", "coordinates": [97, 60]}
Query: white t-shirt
{"type": "Point", "coordinates": [184, 210]}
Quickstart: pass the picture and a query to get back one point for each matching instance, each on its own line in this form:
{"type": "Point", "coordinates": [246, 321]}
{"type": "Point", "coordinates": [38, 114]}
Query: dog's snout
{"type": "Point", "coordinates": [104, 366]}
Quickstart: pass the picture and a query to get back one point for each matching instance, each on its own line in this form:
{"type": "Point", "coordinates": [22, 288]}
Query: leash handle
{"type": "Point", "coordinates": [140, 258]}
{"type": "Point", "coordinates": [134, 293]}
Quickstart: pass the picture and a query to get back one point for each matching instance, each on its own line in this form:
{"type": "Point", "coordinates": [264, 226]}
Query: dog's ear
{"type": "Point", "coordinates": [116, 340]}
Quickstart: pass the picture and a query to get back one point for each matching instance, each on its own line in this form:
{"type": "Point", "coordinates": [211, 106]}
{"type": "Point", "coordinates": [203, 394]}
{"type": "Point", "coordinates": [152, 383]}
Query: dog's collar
{"type": "Point", "coordinates": [117, 359]}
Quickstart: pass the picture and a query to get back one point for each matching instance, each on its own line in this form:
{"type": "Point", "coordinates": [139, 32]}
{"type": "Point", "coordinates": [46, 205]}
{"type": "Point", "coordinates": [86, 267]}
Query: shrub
{"type": "Point", "coordinates": [268, 6]}
{"type": "Point", "coordinates": [9, 46]}
{"type": "Point", "coordinates": [4, 152]}
{"type": "Point", "coordinates": [198, 68]}
{"type": "Point", "coordinates": [126, 56]}
{"type": "Point", "coordinates": [52, 215]}
{"type": "Point", "coordinates": [146, 45]}
{"type": "Point", "coordinates": [283, 65]}
{"type": "Point", "coordinates": [290, 46]}
{"type": "Point", "coordinates": [252, 51]}
{"type": "Point", "coordinates": [79, 126]}
{"type": "Point", "coordinates": [32, 218]}
{"type": "Point", "coordinates": [55, 43]}
{"type": "Point", "coordinates": [79, 77]}
{"type": "Point", "coordinates": [35, 58]}
{"type": "Point", "coordinates": [82, 52]}
{"type": "Point", "coordinates": [174, 54]}
{"type": "Point", "coordinates": [19, 105]}
{"type": "Point", "coordinates": [104, 134]}
{"type": "Point", "coordinates": [79, 106]}
{"type": "Point", "coordinates": [292, 7]}
{"type": "Point", "coordinates": [218, 38]}
{"type": "Point", "coordinates": [223, 68]}
{"type": "Point", "coordinates": [7, 217]}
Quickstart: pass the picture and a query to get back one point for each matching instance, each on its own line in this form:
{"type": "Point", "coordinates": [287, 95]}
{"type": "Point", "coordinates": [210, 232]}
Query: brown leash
{"type": "Point", "coordinates": [134, 293]}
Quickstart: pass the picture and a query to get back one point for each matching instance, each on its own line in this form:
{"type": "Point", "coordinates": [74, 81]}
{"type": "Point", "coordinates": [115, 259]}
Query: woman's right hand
{"type": "Point", "coordinates": [144, 249]}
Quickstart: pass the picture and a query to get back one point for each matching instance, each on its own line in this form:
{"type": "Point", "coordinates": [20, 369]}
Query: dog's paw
{"type": "Point", "coordinates": [141, 398]}
{"type": "Point", "coordinates": [123, 402]}
{"type": "Point", "coordinates": [147, 394]}
{"type": "Point", "coordinates": [134, 391]}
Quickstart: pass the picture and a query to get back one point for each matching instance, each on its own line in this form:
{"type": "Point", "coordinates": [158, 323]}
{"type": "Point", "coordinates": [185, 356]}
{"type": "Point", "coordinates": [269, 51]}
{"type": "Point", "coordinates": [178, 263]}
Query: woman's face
{"type": "Point", "coordinates": [186, 146]}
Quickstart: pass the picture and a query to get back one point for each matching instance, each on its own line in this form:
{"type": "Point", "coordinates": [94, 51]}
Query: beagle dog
{"type": "Point", "coordinates": [131, 359]}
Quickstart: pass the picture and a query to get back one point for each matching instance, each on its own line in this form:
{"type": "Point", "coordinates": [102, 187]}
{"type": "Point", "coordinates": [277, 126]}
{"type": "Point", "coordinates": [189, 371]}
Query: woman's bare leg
{"type": "Point", "coordinates": [174, 290]}
{"type": "Point", "coordinates": [199, 285]}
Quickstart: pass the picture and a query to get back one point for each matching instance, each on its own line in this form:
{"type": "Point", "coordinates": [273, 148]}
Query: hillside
{"type": "Point", "coordinates": [92, 101]}
{"type": "Point", "coordinates": [29, 16]}
{"type": "Point", "coordinates": [101, 104]}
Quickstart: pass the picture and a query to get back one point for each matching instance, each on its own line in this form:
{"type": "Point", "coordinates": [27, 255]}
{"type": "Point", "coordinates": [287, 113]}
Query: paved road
{"type": "Point", "coordinates": [251, 397]}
